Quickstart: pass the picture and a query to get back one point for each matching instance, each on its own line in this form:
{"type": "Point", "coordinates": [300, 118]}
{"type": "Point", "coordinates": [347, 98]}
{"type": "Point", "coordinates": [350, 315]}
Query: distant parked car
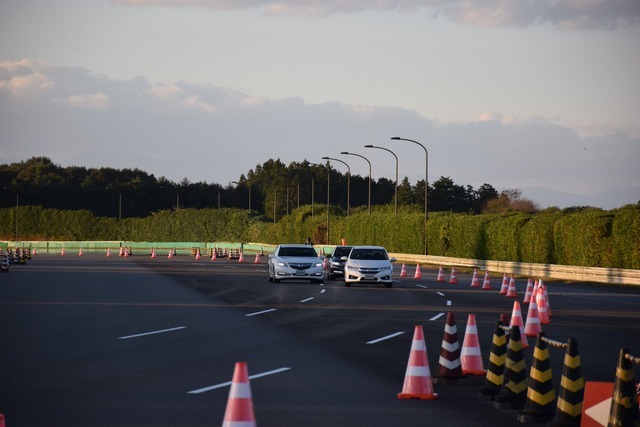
{"type": "Point", "coordinates": [336, 264]}
{"type": "Point", "coordinates": [295, 262]}
{"type": "Point", "coordinates": [368, 264]}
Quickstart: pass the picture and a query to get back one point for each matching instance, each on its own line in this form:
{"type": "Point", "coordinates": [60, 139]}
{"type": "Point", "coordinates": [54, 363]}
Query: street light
{"type": "Point", "coordinates": [394, 155]}
{"type": "Point", "coordinates": [359, 155]}
{"type": "Point", "coordinates": [313, 187]}
{"type": "Point", "coordinates": [348, 180]}
{"type": "Point", "coordinates": [426, 186]}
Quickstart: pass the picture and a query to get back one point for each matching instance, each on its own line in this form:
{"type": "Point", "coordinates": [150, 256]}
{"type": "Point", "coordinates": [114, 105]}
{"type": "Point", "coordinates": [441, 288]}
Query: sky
{"type": "Point", "coordinates": [537, 95]}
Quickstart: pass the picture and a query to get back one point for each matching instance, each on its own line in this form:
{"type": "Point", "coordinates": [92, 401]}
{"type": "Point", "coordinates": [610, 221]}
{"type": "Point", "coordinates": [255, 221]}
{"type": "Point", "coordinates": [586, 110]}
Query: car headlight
{"type": "Point", "coordinates": [385, 268]}
{"type": "Point", "coordinates": [352, 267]}
{"type": "Point", "coordinates": [319, 264]}
{"type": "Point", "coordinates": [282, 264]}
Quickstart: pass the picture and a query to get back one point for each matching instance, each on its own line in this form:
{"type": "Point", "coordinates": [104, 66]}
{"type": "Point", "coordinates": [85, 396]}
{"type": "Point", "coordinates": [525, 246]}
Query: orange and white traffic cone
{"type": "Point", "coordinates": [528, 291]}
{"type": "Point", "coordinates": [240, 257]}
{"type": "Point", "coordinates": [121, 253]}
{"type": "Point", "coordinates": [505, 284]}
{"type": "Point", "coordinates": [417, 380]}
{"type": "Point", "coordinates": [516, 320]}
{"type": "Point", "coordinates": [470, 355]}
{"type": "Point", "coordinates": [153, 253]}
{"type": "Point", "coordinates": [449, 366]}
{"type": "Point", "coordinates": [170, 255]}
{"type": "Point", "coordinates": [532, 326]}
{"type": "Point", "coordinates": [62, 253]}
{"type": "Point", "coordinates": [257, 259]}
{"type": "Point", "coordinates": [239, 412]}
{"type": "Point", "coordinates": [418, 273]}
{"type": "Point", "coordinates": [108, 252]}
{"type": "Point", "coordinates": [214, 256]}
{"type": "Point", "coordinates": [542, 305]}
{"type": "Point", "coordinates": [440, 277]}
{"type": "Point", "coordinates": [198, 256]}
{"type": "Point", "coordinates": [2, 424]}
{"type": "Point", "coordinates": [453, 280]}
{"type": "Point", "coordinates": [475, 283]}
{"type": "Point", "coordinates": [403, 270]}
{"type": "Point", "coordinates": [511, 290]}
{"type": "Point", "coordinates": [546, 300]}
{"type": "Point", "coordinates": [80, 252]}
{"type": "Point", "coordinates": [486, 283]}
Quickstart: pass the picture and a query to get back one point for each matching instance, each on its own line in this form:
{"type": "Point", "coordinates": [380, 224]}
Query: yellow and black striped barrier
{"type": "Point", "coordinates": [624, 404]}
{"type": "Point", "coordinates": [513, 392]}
{"type": "Point", "coordinates": [540, 402]}
{"type": "Point", "coordinates": [495, 370]}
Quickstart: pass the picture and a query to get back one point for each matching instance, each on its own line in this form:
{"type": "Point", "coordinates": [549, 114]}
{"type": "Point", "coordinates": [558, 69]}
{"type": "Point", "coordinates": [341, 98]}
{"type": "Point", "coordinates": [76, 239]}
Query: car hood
{"type": "Point", "coordinates": [365, 263]}
{"type": "Point", "coordinates": [299, 260]}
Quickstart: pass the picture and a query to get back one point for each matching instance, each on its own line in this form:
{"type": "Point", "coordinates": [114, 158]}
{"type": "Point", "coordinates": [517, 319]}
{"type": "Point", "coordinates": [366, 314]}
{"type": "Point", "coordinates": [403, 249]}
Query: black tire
{"type": "Point", "coordinates": [388, 285]}
{"type": "Point", "coordinates": [270, 278]}
{"type": "Point", "coordinates": [276, 280]}
{"type": "Point", "coordinates": [318, 281]}
{"type": "Point", "coordinates": [347, 284]}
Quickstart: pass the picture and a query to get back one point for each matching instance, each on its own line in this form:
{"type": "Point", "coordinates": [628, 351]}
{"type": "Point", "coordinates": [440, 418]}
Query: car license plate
{"type": "Point", "coordinates": [300, 273]}
{"type": "Point", "coordinates": [369, 276]}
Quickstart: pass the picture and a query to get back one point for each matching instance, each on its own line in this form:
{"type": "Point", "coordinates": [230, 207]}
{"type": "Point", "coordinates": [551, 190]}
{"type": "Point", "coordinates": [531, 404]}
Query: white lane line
{"type": "Point", "coordinates": [227, 384]}
{"type": "Point", "coordinates": [448, 302]}
{"type": "Point", "coordinates": [308, 299]}
{"type": "Point", "coordinates": [323, 291]}
{"type": "Point", "coordinates": [440, 293]}
{"type": "Point", "coordinates": [437, 316]}
{"type": "Point", "coordinates": [385, 338]}
{"type": "Point", "coordinates": [422, 286]}
{"type": "Point", "coordinates": [151, 333]}
{"type": "Point", "coordinates": [260, 312]}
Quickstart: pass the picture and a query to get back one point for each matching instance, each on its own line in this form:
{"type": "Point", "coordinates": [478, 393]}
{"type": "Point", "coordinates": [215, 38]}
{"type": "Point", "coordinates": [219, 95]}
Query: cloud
{"type": "Point", "coordinates": [215, 134]}
{"type": "Point", "coordinates": [23, 78]}
{"type": "Point", "coordinates": [565, 14]}
{"type": "Point", "coordinates": [97, 101]}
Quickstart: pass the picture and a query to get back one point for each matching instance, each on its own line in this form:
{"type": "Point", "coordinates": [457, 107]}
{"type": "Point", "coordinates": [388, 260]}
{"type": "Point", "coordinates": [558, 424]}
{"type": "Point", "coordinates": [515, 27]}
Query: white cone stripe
{"type": "Point", "coordinates": [449, 364]}
{"type": "Point", "coordinates": [450, 346]}
{"type": "Point", "coordinates": [240, 391]}
{"type": "Point", "coordinates": [472, 329]}
{"type": "Point", "coordinates": [418, 345]}
{"type": "Point", "coordinates": [470, 351]}
{"type": "Point", "coordinates": [418, 371]}
{"type": "Point", "coordinates": [451, 329]}
{"type": "Point", "coordinates": [239, 424]}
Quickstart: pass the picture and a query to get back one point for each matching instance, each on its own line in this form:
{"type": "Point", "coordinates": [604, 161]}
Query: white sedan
{"type": "Point", "coordinates": [295, 262]}
{"type": "Point", "coordinates": [368, 264]}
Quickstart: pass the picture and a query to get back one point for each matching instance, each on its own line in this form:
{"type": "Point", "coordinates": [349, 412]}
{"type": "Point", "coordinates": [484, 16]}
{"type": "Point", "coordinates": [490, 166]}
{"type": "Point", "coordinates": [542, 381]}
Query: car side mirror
{"type": "Point", "coordinates": [392, 260]}
{"type": "Point", "coordinates": [344, 258]}
{"type": "Point", "coordinates": [272, 255]}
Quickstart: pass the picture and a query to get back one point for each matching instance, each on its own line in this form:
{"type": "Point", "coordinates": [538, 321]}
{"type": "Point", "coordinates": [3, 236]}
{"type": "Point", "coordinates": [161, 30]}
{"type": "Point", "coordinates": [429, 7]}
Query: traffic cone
{"type": "Point", "coordinates": [214, 256]}
{"type": "Point", "coordinates": [475, 283]}
{"type": "Point", "coordinates": [528, 291]}
{"type": "Point", "coordinates": [471, 356]}
{"type": "Point", "coordinates": [511, 291]}
{"type": "Point", "coordinates": [486, 283]}
{"type": "Point", "coordinates": [514, 386]}
{"type": "Point", "coordinates": [403, 270]}
{"type": "Point", "coordinates": [505, 285]}
{"type": "Point", "coordinates": [257, 260]}
{"type": "Point", "coordinates": [449, 366]}
{"type": "Point", "coordinates": [497, 358]}
{"type": "Point", "coordinates": [170, 255]}
{"type": "Point", "coordinates": [239, 412]}
{"type": "Point", "coordinates": [108, 252]}
{"type": "Point", "coordinates": [542, 306]}
{"type": "Point", "coordinates": [418, 274]}
{"type": "Point", "coordinates": [2, 424]}
{"type": "Point", "coordinates": [516, 320]}
{"type": "Point", "coordinates": [80, 252]}
{"type": "Point", "coordinates": [153, 253]}
{"type": "Point", "coordinates": [546, 300]}
{"type": "Point", "coordinates": [571, 392]}
{"type": "Point", "coordinates": [121, 253]}
{"type": "Point", "coordinates": [35, 251]}
{"type": "Point", "coordinates": [417, 380]}
{"type": "Point", "coordinates": [440, 277]}
{"type": "Point", "coordinates": [532, 326]}
{"type": "Point", "coordinates": [539, 405]}
{"type": "Point", "coordinates": [452, 278]}
{"type": "Point", "coordinates": [624, 405]}
{"type": "Point", "coordinates": [62, 253]}
{"type": "Point", "coordinates": [240, 257]}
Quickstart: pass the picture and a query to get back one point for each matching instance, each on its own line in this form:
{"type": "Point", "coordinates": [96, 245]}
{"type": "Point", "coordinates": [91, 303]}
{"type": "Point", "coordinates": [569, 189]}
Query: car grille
{"type": "Point", "coordinates": [369, 270]}
{"type": "Point", "coordinates": [299, 266]}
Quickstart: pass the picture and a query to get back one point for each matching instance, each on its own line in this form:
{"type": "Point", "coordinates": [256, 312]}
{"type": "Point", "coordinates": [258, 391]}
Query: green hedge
{"type": "Point", "coordinates": [590, 237]}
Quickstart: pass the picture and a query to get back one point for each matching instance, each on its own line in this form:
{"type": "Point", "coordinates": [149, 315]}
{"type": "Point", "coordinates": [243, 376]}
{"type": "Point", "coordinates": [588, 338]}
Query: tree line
{"type": "Point", "coordinates": [271, 189]}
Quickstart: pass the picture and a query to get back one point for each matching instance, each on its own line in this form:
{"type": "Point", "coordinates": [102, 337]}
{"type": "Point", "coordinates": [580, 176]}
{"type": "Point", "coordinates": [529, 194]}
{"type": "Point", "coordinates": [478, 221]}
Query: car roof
{"type": "Point", "coordinates": [293, 245]}
{"type": "Point", "coordinates": [369, 247]}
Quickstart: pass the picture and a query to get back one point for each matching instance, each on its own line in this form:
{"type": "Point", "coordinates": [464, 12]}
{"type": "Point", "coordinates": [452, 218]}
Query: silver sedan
{"type": "Point", "coordinates": [295, 262]}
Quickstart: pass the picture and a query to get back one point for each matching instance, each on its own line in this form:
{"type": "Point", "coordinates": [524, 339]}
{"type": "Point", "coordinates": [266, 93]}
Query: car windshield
{"type": "Point", "coordinates": [368, 254]}
{"type": "Point", "coordinates": [340, 252]}
{"type": "Point", "coordinates": [303, 251]}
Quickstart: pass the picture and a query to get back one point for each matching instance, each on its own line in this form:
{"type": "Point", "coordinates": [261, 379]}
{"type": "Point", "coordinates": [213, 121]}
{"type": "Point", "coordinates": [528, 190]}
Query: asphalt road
{"type": "Point", "coordinates": [96, 341]}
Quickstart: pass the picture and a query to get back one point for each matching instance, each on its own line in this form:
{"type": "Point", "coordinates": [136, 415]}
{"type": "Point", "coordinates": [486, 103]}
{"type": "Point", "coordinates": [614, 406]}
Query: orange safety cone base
{"type": "Point", "coordinates": [433, 396]}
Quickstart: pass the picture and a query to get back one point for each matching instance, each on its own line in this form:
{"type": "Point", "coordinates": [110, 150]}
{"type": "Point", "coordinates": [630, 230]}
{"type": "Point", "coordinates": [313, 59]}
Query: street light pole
{"type": "Point", "coordinates": [396, 186]}
{"type": "Point", "coordinates": [361, 156]}
{"type": "Point", "coordinates": [348, 180]}
{"type": "Point", "coordinates": [426, 186]}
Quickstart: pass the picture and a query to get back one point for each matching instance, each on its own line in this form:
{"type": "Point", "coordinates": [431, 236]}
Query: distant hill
{"type": "Point", "coordinates": [612, 199]}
